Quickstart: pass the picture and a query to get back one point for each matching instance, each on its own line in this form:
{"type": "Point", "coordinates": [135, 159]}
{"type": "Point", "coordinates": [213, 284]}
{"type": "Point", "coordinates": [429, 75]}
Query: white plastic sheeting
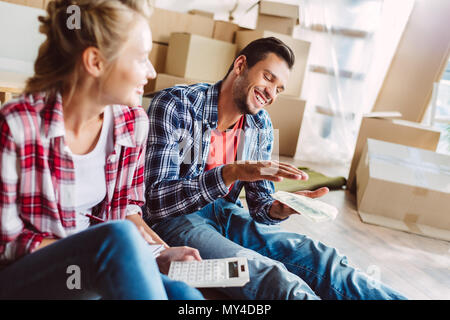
{"type": "Point", "coordinates": [353, 42]}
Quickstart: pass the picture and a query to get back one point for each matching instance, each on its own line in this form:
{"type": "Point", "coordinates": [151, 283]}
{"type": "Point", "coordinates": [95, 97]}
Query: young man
{"type": "Point", "coordinates": [205, 143]}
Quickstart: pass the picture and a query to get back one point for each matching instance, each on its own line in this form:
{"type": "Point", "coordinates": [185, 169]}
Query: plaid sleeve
{"type": "Point", "coordinates": [258, 193]}
{"type": "Point", "coordinates": [15, 239]}
{"type": "Point", "coordinates": [136, 193]}
{"type": "Point", "coordinates": [166, 193]}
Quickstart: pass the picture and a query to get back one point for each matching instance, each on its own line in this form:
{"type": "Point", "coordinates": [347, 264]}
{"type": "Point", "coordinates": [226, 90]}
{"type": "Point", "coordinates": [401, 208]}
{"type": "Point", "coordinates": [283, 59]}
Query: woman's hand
{"type": "Point", "coordinates": [147, 233]}
{"type": "Point", "coordinates": [176, 254]}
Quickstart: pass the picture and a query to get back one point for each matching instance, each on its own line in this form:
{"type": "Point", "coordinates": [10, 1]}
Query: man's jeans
{"type": "Point", "coordinates": [111, 261]}
{"type": "Point", "coordinates": [282, 265]}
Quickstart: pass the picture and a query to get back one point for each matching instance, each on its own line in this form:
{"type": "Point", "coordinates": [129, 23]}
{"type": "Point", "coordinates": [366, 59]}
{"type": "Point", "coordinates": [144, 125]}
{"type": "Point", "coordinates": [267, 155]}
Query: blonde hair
{"type": "Point", "coordinates": [104, 24]}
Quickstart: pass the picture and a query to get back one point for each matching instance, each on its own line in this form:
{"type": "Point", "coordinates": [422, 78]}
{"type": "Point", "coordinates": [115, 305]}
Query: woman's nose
{"type": "Point", "coordinates": [151, 74]}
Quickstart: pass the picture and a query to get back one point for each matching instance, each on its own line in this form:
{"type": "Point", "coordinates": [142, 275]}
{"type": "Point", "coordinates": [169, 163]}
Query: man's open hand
{"type": "Point", "coordinates": [261, 170]}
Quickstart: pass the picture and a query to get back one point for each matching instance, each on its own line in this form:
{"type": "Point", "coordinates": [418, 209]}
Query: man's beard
{"type": "Point", "coordinates": [240, 94]}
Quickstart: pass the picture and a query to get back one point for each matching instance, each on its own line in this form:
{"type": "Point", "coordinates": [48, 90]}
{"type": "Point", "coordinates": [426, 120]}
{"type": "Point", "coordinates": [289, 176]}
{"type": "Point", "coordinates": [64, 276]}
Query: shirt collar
{"type": "Point", "coordinates": [52, 114]}
{"type": "Point", "coordinates": [124, 126]}
{"type": "Point", "coordinates": [256, 120]}
{"type": "Point", "coordinates": [210, 115]}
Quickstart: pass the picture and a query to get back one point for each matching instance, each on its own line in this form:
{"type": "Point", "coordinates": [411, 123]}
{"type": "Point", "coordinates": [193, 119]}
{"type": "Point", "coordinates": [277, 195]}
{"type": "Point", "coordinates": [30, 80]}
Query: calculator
{"type": "Point", "coordinates": [210, 273]}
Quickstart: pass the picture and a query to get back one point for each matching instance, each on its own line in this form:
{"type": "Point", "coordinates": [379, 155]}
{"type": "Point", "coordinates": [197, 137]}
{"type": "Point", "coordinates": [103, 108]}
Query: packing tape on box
{"type": "Point", "coordinates": [415, 162]}
{"type": "Point", "coordinates": [410, 221]}
{"type": "Point", "coordinates": [420, 192]}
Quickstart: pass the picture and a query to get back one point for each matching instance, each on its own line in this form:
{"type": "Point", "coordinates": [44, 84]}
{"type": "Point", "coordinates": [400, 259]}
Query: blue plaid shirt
{"type": "Point", "coordinates": [181, 119]}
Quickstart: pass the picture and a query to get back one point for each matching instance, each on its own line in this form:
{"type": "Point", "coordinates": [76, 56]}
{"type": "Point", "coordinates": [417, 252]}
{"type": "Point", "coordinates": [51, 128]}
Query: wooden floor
{"type": "Point", "coordinates": [417, 266]}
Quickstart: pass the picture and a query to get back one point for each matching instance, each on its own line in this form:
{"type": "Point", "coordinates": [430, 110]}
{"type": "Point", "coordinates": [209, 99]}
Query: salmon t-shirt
{"type": "Point", "coordinates": [224, 146]}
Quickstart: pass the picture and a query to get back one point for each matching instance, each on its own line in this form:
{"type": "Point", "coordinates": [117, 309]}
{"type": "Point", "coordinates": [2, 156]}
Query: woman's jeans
{"type": "Point", "coordinates": [282, 265]}
{"type": "Point", "coordinates": [107, 261]}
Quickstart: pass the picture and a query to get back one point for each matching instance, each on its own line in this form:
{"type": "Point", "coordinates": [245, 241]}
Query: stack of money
{"type": "Point", "coordinates": [314, 210]}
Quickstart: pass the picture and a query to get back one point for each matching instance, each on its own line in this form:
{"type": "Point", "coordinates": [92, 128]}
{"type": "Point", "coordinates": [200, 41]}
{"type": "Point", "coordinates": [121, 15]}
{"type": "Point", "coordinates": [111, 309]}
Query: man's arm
{"type": "Point", "coordinates": [167, 194]}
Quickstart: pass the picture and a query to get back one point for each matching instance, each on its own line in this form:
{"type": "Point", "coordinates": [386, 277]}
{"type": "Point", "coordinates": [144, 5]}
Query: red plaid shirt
{"type": "Point", "coordinates": [37, 180]}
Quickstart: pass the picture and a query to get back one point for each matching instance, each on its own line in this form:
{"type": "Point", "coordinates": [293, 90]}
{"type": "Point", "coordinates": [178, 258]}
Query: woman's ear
{"type": "Point", "coordinates": [92, 61]}
{"type": "Point", "coordinates": [240, 64]}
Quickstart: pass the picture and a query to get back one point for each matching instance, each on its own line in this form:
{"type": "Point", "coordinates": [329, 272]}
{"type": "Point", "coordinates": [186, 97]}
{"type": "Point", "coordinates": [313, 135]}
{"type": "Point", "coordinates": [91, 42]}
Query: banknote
{"type": "Point", "coordinates": [313, 209]}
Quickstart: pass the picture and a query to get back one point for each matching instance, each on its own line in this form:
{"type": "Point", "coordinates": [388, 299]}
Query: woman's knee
{"type": "Point", "coordinates": [120, 233]}
{"type": "Point", "coordinates": [177, 290]}
{"type": "Point", "coordinates": [119, 229]}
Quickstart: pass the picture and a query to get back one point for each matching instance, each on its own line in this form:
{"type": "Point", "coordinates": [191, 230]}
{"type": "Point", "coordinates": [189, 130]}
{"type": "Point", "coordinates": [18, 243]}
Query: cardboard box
{"type": "Point", "coordinates": [286, 114]}
{"type": "Point", "coordinates": [11, 85]}
{"type": "Point", "coordinates": [391, 130]}
{"type": "Point", "coordinates": [277, 17]}
{"type": "Point", "coordinates": [202, 13]}
{"type": "Point", "coordinates": [404, 188]}
{"type": "Point", "coordinates": [164, 81]}
{"type": "Point", "coordinates": [279, 9]}
{"type": "Point", "coordinates": [40, 4]}
{"type": "Point", "coordinates": [301, 51]}
{"type": "Point", "coordinates": [225, 31]}
{"type": "Point", "coordinates": [164, 22]}
{"type": "Point", "coordinates": [276, 24]}
{"type": "Point", "coordinates": [196, 57]}
{"type": "Point", "coordinates": [158, 57]}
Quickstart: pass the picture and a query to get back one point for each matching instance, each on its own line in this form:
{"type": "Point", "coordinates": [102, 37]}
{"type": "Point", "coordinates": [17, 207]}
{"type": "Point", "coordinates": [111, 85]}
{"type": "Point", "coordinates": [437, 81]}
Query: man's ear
{"type": "Point", "coordinates": [92, 61]}
{"type": "Point", "coordinates": [240, 64]}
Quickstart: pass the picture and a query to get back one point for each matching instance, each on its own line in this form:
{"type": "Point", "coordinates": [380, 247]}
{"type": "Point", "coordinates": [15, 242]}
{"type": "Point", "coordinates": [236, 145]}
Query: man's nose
{"type": "Point", "coordinates": [270, 92]}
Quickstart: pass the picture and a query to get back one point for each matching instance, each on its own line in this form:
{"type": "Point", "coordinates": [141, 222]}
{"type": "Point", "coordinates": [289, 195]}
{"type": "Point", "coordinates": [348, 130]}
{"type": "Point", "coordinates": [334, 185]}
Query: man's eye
{"type": "Point", "coordinates": [267, 77]}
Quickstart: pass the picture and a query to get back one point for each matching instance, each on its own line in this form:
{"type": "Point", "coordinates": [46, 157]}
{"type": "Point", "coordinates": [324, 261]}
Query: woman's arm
{"type": "Point", "coordinates": [143, 227]}
{"type": "Point", "coordinates": [16, 240]}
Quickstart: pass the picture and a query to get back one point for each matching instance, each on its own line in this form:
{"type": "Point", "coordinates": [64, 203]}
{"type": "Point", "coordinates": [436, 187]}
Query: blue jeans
{"type": "Point", "coordinates": [112, 261]}
{"type": "Point", "coordinates": [282, 265]}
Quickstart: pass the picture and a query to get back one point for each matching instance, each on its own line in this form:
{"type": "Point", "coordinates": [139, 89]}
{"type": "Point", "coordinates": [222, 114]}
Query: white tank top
{"type": "Point", "coordinates": [90, 180]}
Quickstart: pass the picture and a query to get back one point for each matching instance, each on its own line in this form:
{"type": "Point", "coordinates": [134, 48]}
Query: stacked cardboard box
{"type": "Point", "coordinates": [391, 130]}
{"type": "Point", "coordinates": [225, 31]}
{"type": "Point", "coordinates": [189, 48]}
{"type": "Point", "coordinates": [286, 114]}
{"type": "Point", "coordinates": [164, 80]}
{"type": "Point", "coordinates": [197, 57]}
{"type": "Point", "coordinates": [278, 17]}
{"type": "Point", "coordinates": [40, 4]}
{"type": "Point", "coordinates": [164, 22]}
{"type": "Point", "coordinates": [404, 188]}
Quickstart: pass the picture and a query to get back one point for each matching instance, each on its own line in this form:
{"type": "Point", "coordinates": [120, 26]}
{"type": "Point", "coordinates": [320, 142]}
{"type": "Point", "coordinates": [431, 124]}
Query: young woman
{"type": "Point", "coordinates": [72, 163]}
